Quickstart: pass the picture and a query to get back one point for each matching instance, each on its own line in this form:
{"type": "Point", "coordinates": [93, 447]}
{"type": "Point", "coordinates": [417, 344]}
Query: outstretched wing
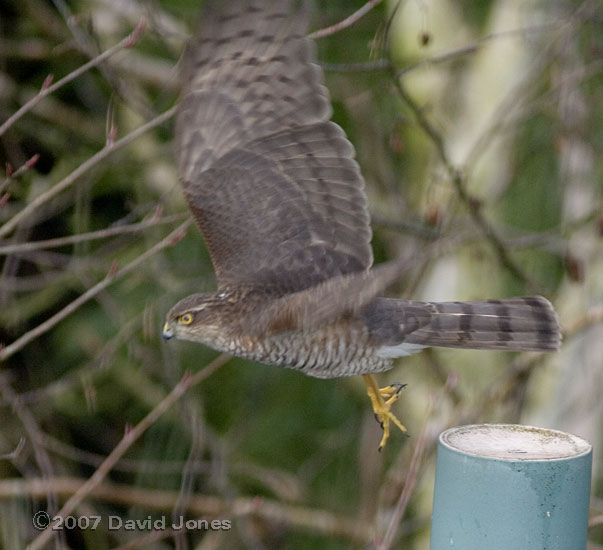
{"type": "Point", "coordinates": [271, 182]}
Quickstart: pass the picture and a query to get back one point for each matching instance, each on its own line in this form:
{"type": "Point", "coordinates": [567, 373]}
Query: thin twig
{"type": "Point", "coordinates": [47, 89]}
{"type": "Point", "coordinates": [365, 66]}
{"type": "Point", "coordinates": [312, 520]}
{"type": "Point", "coordinates": [594, 316]}
{"type": "Point", "coordinates": [92, 235]}
{"type": "Point", "coordinates": [11, 224]}
{"type": "Point", "coordinates": [467, 49]}
{"type": "Point", "coordinates": [44, 327]}
{"type": "Point", "coordinates": [510, 109]}
{"type": "Point", "coordinates": [91, 368]}
{"type": "Point", "coordinates": [595, 521]}
{"type": "Point", "coordinates": [416, 229]}
{"type": "Point", "coordinates": [409, 485]}
{"type": "Point", "coordinates": [132, 435]}
{"type": "Point", "coordinates": [458, 180]}
{"type": "Point", "coordinates": [347, 22]}
{"type": "Point", "coordinates": [34, 435]}
{"type": "Point", "coordinates": [22, 169]}
{"type": "Point", "coordinates": [15, 452]}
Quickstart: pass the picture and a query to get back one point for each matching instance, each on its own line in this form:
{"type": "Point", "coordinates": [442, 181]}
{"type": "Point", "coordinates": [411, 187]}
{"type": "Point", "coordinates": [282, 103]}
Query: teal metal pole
{"type": "Point", "coordinates": [510, 487]}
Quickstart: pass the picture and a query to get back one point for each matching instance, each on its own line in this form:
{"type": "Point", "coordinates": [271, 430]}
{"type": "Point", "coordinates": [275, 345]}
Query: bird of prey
{"type": "Point", "coordinates": [274, 188]}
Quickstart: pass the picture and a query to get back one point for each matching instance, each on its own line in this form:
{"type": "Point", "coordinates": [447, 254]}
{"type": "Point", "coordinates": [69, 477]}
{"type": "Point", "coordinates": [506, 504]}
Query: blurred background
{"type": "Point", "coordinates": [479, 130]}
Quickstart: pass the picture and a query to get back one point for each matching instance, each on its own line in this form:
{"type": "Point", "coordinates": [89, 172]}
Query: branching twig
{"type": "Point", "coordinates": [458, 181]}
{"type": "Point", "coordinates": [11, 175]}
{"type": "Point", "coordinates": [366, 66]}
{"type": "Point", "coordinates": [467, 49]}
{"type": "Point", "coordinates": [348, 21]}
{"type": "Point", "coordinates": [132, 435]}
{"type": "Point", "coordinates": [15, 452]}
{"type": "Point", "coordinates": [594, 316]}
{"type": "Point", "coordinates": [92, 235]}
{"type": "Point", "coordinates": [595, 520]}
{"type": "Point", "coordinates": [47, 88]}
{"type": "Point", "coordinates": [82, 169]}
{"type": "Point", "coordinates": [22, 341]}
{"type": "Point", "coordinates": [309, 519]}
{"type": "Point", "coordinates": [75, 376]}
{"type": "Point", "coordinates": [409, 485]}
{"type": "Point", "coordinates": [34, 434]}
{"type": "Point", "coordinates": [416, 229]}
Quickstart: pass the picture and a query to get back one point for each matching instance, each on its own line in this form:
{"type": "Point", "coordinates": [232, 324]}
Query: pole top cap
{"type": "Point", "coordinates": [514, 442]}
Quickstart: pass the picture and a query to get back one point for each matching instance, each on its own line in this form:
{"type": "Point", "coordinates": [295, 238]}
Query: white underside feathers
{"type": "Point", "coordinates": [399, 350]}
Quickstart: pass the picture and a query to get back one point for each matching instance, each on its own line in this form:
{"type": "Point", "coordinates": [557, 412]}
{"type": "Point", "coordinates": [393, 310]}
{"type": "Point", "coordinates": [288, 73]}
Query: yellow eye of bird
{"type": "Point", "coordinates": [185, 319]}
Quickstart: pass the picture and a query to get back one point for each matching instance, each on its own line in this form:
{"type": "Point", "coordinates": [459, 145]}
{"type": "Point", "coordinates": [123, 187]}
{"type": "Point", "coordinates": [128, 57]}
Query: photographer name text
{"type": "Point", "coordinates": [42, 520]}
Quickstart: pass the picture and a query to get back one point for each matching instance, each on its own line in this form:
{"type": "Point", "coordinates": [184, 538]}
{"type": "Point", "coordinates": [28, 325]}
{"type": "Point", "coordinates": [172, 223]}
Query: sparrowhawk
{"type": "Point", "coordinates": [273, 185]}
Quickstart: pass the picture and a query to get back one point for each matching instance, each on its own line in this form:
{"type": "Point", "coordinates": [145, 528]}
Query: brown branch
{"type": "Point", "coordinates": [308, 519]}
{"type": "Point", "coordinates": [347, 22]}
{"type": "Point", "coordinates": [12, 175]}
{"type": "Point", "coordinates": [81, 170]}
{"type": "Point", "coordinates": [47, 89]}
{"type": "Point", "coordinates": [594, 316]}
{"type": "Point", "coordinates": [415, 228]}
{"type": "Point", "coordinates": [74, 376]}
{"type": "Point", "coordinates": [366, 66]}
{"type": "Point", "coordinates": [44, 327]}
{"type": "Point", "coordinates": [92, 235]}
{"type": "Point", "coordinates": [520, 370]}
{"type": "Point", "coordinates": [129, 438]}
{"type": "Point", "coordinates": [409, 485]}
{"type": "Point", "coordinates": [34, 435]}
{"type": "Point", "coordinates": [595, 520]}
{"type": "Point", "coordinates": [509, 110]}
{"type": "Point", "coordinates": [436, 59]}
{"type": "Point", "coordinates": [467, 49]}
{"type": "Point", "coordinates": [14, 454]}
{"type": "Point", "coordinates": [458, 181]}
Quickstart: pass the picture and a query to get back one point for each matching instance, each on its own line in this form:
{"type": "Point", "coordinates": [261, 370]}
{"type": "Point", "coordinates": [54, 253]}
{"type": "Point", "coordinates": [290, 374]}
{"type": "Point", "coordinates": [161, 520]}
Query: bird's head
{"type": "Point", "coordinates": [199, 317]}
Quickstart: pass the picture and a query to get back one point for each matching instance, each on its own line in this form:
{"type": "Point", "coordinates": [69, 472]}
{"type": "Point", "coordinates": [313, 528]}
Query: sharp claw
{"type": "Point", "coordinates": [381, 400]}
{"type": "Point", "coordinates": [399, 387]}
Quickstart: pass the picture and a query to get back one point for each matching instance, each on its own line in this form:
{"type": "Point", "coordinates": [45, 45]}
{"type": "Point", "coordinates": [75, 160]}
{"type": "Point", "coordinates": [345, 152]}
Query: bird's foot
{"type": "Point", "coordinates": [382, 399]}
{"type": "Point", "coordinates": [391, 393]}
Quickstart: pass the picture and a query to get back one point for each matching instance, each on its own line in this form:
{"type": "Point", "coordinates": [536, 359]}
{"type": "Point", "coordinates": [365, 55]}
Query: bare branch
{"type": "Point", "coordinates": [12, 175]}
{"type": "Point", "coordinates": [367, 66]}
{"type": "Point", "coordinates": [15, 452]}
{"type": "Point", "coordinates": [595, 521]}
{"type": "Point", "coordinates": [44, 327]}
{"type": "Point", "coordinates": [131, 435]}
{"type": "Point", "coordinates": [409, 485]}
{"type": "Point", "coordinates": [312, 520]}
{"type": "Point", "coordinates": [474, 47]}
{"type": "Point", "coordinates": [348, 21]}
{"type": "Point", "coordinates": [92, 235]}
{"type": "Point", "coordinates": [594, 316]}
{"type": "Point", "coordinates": [34, 435]}
{"type": "Point", "coordinates": [47, 89]}
{"type": "Point", "coordinates": [82, 169]}
{"type": "Point", "coordinates": [458, 180]}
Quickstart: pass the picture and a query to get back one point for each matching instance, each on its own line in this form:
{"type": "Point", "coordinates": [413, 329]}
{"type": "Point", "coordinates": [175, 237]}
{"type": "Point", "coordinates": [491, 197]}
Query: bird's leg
{"type": "Point", "coordinates": [382, 400]}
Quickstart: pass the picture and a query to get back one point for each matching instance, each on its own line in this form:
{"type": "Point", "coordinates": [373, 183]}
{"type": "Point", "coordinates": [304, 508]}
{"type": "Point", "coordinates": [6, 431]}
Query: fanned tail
{"type": "Point", "coordinates": [512, 324]}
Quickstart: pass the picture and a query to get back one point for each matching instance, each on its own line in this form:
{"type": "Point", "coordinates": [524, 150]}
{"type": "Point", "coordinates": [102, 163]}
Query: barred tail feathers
{"type": "Point", "coordinates": [403, 327]}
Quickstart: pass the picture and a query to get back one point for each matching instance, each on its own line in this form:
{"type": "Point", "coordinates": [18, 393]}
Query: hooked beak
{"type": "Point", "coordinates": [168, 333]}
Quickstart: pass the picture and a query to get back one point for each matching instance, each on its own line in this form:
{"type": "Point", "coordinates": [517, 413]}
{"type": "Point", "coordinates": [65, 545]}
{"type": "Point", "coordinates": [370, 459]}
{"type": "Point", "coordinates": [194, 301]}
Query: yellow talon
{"type": "Point", "coordinates": [382, 399]}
